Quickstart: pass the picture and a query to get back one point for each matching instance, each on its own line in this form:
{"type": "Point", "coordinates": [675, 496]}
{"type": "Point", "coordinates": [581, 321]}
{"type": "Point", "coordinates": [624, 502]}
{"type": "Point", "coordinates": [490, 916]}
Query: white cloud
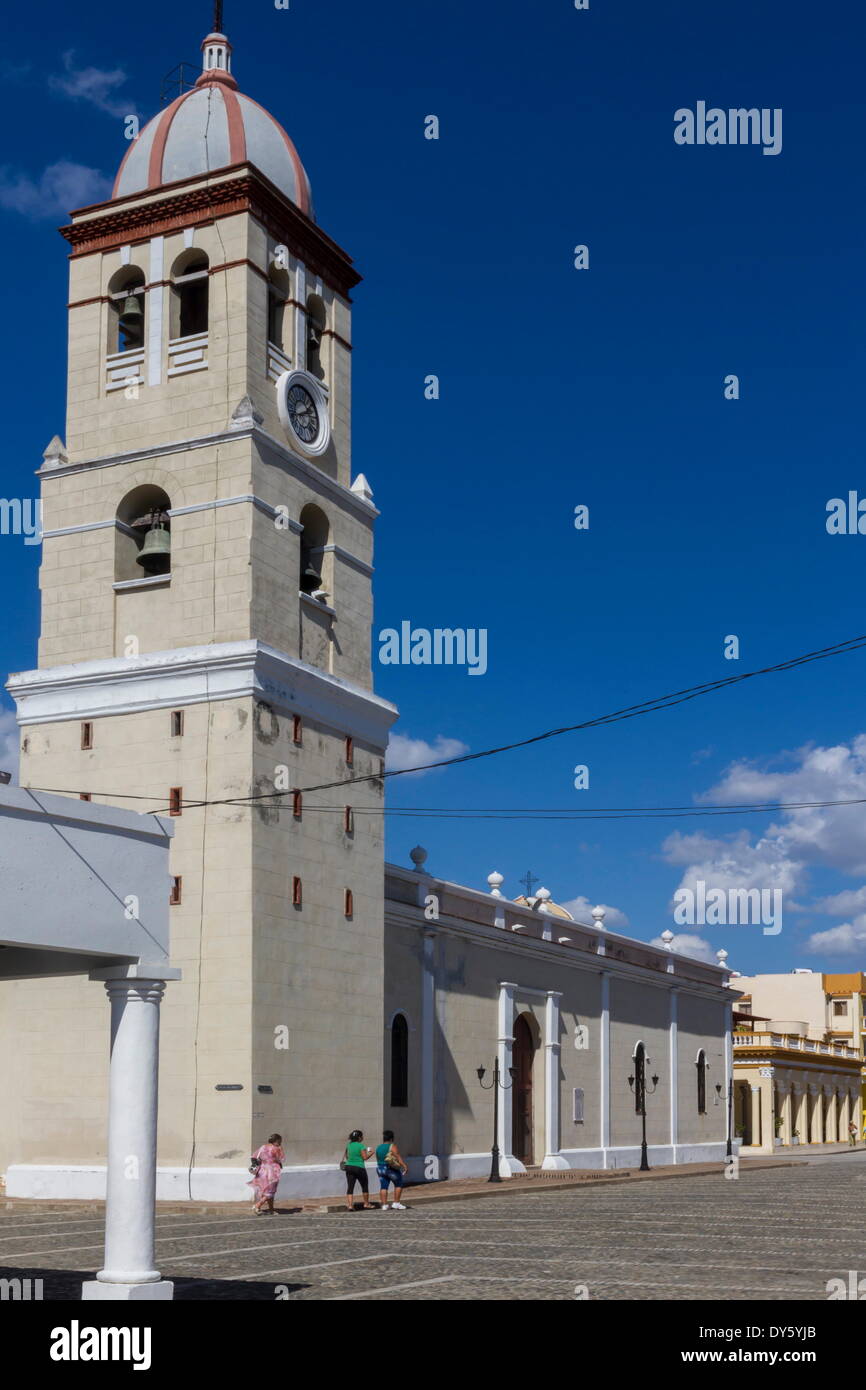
{"type": "Point", "coordinates": [848, 939]}
{"type": "Point", "coordinates": [9, 744]}
{"type": "Point", "coordinates": [834, 836]}
{"type": "Point", "coordinates": [60, 188]}
{"type": "Point", "coordinates": [732, 861]}
{"type": "Point", "coordinates": [93, 85]}
{"type": "Point", "coordinates": [689, 945]}
{"type": "Point", "coordinates": [844, 904]}
{"type": "Point", "coordinates": [404, 752]}
{"type": "Point", "coordinates": [581, 909]}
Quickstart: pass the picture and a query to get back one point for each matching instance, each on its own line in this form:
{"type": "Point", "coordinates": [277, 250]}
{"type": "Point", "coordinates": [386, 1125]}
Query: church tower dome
{"type": "Point", "coordinates": [212, 127]}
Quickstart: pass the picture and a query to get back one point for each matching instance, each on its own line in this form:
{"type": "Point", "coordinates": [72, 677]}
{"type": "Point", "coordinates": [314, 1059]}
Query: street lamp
{"type": "Point", "coordinates": [641, 1095]}
{"type": "Point", "coordinates": [495, 1086]}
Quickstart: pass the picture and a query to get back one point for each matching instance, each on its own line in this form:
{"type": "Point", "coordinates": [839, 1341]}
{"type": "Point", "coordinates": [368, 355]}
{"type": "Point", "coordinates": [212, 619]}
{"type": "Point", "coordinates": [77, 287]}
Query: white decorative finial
{"type": "Point", "coordinates": [361, 488]}
{"type": "Point", "coordinates": [598, 917]}
{"type": "Point", "coordinates": [245, 416]}
{"type": "Point", "coordinates": [55, 454]}
{"type": "Point", "coordinates": [667, 938]}
{"type": "Point", "coordinates": [495, 880]}
{"type": "Point", "coordinates": [542, 898]}
{"type": "Point", "coordinates": [418, 855]}
{"type": "Point", "coordinates": [721, 956]}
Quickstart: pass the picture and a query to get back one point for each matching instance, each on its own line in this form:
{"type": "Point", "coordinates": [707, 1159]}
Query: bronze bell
{"type": "Point", "coordinates": [132, 309]}
{"type": "Point", "coordinates": [310, 579]}
{"type": "Point", "coordinates": [155, 554]}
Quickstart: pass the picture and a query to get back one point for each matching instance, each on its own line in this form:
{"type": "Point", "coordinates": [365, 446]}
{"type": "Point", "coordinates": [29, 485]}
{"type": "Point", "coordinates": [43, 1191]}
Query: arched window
{"type": "Point", "coordinates": [126, 310]}
{"type": "Point", "coordinates": [701, 1066]}
{"type": "Point", "coordinates": [314, 538]}
{"type": "Point", "coordinates": [143, 534]}
{"type": "Point", "coordinates": [279, 323]}
{"type": "Point", "coordinates": [189, 294]}
{"type": "Point", "coordinates": [316, 322]}
{"type": "Point", "coordinates": [639, 1078]}
{"type": "Point", "coordinates": [399, 1061]}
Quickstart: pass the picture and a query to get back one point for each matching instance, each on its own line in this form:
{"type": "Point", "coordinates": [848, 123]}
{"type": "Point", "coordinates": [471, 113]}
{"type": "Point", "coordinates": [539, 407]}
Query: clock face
{"type": "Point", "coordinates": [302, 412]}
{"type": "Point", "coordinates": [303, 408]}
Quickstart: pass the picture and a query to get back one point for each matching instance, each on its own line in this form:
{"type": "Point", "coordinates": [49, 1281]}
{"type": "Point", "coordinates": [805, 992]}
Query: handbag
{"type": "Point", "coordinates": [343, 1164]}
{"type": "Point", "coordinates": [255, 1164]}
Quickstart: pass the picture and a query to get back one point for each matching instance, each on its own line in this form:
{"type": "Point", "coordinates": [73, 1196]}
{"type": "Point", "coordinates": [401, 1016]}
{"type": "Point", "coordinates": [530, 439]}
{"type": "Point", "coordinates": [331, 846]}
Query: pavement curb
{"type": "Point", "coordinates": [418, 1196]}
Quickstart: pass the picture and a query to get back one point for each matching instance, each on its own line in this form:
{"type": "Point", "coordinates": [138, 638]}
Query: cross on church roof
{"type": "Point", "coordinates": [529, 879]}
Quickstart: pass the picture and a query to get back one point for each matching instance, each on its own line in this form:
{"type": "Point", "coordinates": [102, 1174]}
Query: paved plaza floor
{"type": "Point", "coordinates": [773, 1233]}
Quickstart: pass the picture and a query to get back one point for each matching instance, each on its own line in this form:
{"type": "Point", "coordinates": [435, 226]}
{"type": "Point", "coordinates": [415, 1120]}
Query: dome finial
{"type": "Point", "coordinates": [216, 53]}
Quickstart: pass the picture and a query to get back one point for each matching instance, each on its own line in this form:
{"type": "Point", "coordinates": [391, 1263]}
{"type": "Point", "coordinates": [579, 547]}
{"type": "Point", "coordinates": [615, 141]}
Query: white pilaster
{"type": "Point", "coordinates": [428, 1014]}
{"type": "Point", "coordinates": [129, 1271]}
{"type": "Point", "coordinates": [301, 316]}
{"type": "Point", "coordinates": [672, 1072]}
{"type": "Point", "coordinates": [505, 1053]}
{"type": "Point", "coordinates": [153, 323]}
{"type": "Point", "coordinates": [552, 1156]}
{"type": "Point", "coordinates": [604, 1067]}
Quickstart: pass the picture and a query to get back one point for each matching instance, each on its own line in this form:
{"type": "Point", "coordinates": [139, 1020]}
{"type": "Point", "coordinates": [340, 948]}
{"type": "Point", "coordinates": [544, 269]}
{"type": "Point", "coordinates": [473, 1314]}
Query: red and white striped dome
{"type": "Point", "coordinates": [209, 128]}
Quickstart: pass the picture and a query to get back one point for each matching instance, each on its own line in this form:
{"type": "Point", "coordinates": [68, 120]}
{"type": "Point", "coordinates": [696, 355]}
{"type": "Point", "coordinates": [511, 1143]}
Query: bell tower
{"type": "Point", "coordinates": [205, 640]}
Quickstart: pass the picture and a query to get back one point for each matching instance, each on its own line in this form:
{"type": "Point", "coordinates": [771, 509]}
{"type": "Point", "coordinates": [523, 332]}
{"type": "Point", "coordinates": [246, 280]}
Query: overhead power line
{"type": "Point", "coordinates": [650, 706]}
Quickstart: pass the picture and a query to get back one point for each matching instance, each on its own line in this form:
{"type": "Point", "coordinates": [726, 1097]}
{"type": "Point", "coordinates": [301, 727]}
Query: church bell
{"type": "Point", "coordinates": [132, 312]}
{"type": "Point", "coordinates": [155, 554]}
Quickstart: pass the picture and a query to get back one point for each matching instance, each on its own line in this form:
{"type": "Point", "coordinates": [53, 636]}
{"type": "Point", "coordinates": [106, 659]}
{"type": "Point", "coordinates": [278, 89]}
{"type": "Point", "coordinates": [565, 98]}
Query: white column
{"type": "Point", "coordinates": [672, 1073]}
{"type": "Point", "coordinates": [428, 1013]}
{"type": "Point", "coordinates": [729, 1071]}
{"type": "Point", "coordinates": [129, 1271]}
{"type": "Point", "coordinates": [301, 316]}
{"type": "Point", "coordinates": [505, 1051]}
{"type": "Point", "coordinates": [153, 323]}
{"type": "Point", "coordinates": [604, 1073]}
{"type": "Point", "coordinates": [552, 1157]}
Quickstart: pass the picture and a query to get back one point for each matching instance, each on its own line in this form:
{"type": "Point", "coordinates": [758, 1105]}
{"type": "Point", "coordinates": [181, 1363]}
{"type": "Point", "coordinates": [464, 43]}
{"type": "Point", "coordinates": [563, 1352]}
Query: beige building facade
{"type": "Point", "coordinates": [798, 1059]}
{"type": "Point", "coordinates": [205, 653]}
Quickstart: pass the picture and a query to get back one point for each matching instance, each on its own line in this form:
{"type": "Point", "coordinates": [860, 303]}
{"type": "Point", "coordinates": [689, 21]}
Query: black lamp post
{"type": "Point", "coordinates": [495, 1086]}
{"type": "Point", "coordinates": [641, 1098]}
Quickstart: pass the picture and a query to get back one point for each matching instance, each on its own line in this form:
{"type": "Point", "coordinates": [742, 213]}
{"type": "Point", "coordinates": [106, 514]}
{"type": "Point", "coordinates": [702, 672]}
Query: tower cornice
{"type": "Point", "coordinates": [237, 188]}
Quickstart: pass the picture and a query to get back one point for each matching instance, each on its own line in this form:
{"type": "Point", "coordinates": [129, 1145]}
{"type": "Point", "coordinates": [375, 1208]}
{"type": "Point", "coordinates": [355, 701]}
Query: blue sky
{"type": "Point", "coordinates": [558, 387]}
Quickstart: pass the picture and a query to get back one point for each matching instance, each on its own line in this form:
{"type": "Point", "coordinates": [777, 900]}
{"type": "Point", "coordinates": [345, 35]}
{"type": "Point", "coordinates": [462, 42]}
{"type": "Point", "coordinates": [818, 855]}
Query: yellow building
{"type": "Point", "coordinates": [798, 1059]}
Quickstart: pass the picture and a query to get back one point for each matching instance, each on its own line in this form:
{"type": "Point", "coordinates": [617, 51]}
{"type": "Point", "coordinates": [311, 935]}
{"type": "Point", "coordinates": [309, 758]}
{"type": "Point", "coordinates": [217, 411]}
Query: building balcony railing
{"type": "Point", "coordinates": [187, 354]}
{"type": "Point", "coordinates": [124, 369]}
{"type": "Point", "coordinates": [278, 362]}
{"type": "Point", "coordinates": [793, 1042]}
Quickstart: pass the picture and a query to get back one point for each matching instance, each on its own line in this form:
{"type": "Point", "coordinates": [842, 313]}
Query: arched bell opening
{"type": "Point", "coordinates": [190, 281]}
{"type": "Point", "coordinates": [316, 323]}
{"type": "Point", "coordinates": [279, 316]}
{"type": "Point", "coordinates": [315, 569]}
{"type": "Point", "coordinates": [143, 534]}
{"type": "Point", "coordinates": [126, 305]}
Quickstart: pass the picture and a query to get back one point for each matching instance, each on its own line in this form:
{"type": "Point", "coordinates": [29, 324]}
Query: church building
{"type": "Point", "coordinates": [205, 652]}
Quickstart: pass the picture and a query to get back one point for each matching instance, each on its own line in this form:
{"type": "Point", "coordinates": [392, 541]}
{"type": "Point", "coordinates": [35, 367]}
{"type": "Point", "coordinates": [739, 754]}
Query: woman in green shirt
{"type": "Point", "coordinates": [353, 1164]}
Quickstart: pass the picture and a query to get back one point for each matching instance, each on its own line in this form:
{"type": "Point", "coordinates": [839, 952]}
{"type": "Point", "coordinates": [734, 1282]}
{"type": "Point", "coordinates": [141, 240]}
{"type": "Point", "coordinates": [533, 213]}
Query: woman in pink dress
{"type": "Point", "coordinates": [268, 1164]}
